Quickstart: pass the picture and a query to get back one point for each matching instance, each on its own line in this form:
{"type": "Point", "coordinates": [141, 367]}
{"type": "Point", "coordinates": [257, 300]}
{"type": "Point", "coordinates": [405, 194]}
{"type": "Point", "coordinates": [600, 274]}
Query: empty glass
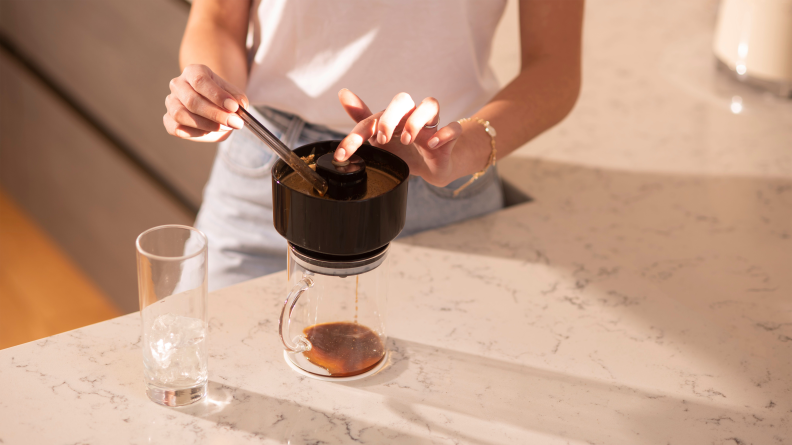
{"type": "Point", "coordinates": [172, 285]}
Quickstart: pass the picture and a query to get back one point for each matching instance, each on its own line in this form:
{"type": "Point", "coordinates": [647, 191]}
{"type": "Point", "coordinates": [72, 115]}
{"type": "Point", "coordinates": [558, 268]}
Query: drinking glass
{"type": "Point", "coordinates": [172, 286]}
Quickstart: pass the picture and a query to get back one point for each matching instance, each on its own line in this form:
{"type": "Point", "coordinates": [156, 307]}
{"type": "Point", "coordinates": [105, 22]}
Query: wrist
{"type": "Point", "coordinates": [474, 149]}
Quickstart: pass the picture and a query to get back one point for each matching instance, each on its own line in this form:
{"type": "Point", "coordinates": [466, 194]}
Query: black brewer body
{"type": "Point", "coordinates": [341, 228]}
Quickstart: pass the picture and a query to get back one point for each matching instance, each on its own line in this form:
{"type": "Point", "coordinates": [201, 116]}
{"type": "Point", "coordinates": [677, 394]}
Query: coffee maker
{"type": "Point", "coordinates": [332, 323]}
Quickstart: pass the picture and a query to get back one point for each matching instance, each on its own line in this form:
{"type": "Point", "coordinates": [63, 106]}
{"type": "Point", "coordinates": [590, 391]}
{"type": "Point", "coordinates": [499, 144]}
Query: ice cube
{"type": "Point", "coordinates": [176, 350]}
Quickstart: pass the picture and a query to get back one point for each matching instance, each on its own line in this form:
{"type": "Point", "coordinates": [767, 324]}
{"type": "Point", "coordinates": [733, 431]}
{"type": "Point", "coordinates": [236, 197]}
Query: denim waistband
{"type": "Point", "coordinates": [294, 127]}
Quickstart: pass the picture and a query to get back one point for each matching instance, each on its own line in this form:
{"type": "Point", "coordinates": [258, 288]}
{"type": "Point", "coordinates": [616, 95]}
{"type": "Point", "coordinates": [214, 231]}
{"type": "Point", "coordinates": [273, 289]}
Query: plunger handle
{"type": "Point", "coordinates": [288, 156]}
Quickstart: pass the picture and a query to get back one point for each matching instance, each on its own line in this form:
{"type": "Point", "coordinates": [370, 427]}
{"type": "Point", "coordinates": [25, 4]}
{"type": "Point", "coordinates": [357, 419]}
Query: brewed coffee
{"type": "Point", "coordinates": [343, 348]}
{"type": "Point", "coordinates": [378, 182]}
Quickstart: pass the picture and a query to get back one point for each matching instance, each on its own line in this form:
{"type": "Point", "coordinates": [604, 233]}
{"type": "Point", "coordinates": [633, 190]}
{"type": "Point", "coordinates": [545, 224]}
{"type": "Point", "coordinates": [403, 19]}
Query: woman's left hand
{"type": "Point", "coordinates": [402, 130]}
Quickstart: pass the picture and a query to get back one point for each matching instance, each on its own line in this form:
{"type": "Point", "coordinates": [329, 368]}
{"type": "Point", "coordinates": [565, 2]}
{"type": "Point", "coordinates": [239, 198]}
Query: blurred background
{"type": "Point", "coordinates": [86, 165]}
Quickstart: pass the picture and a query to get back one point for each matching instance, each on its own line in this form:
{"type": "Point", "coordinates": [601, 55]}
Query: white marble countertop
{"type": "Point", "coordinates": [643, 297]}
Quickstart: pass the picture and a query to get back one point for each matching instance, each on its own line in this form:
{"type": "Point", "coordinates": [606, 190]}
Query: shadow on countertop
{"type": "Point", "coordinates": [517, 399]}
{"type": "Point", "coordinates": [276, 420]}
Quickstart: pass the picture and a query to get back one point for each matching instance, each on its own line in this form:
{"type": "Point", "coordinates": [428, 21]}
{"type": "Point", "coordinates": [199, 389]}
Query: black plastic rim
{"type": "Point", "coordinates": [339, 266]}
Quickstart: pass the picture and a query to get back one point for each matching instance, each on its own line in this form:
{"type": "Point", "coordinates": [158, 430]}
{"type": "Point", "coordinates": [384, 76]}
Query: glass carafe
{"type": "Point", "coordinates": [333, 320]}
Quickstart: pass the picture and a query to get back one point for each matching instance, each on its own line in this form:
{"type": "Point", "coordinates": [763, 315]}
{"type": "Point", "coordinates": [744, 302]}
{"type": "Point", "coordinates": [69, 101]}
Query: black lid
{"type": "Point", "coordinates": [345, 180]}
{"type": "Point", "coordinates": [341, 227]}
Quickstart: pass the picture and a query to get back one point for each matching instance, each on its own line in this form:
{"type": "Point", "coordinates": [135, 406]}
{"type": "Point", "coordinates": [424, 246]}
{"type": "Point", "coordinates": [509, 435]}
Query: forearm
{"type": "Point", "coordinates": [536, 100]}
{"type": "Point", "coordinates": [217, 41]}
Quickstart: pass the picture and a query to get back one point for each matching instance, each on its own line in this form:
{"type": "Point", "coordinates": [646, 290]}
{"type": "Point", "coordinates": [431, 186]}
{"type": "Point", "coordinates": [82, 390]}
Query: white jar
{"type": "Point", "coordinates": [753, 38]}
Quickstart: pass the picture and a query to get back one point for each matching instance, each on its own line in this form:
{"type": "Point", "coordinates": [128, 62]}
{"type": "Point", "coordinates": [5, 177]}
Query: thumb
{"type": "Point", "coordinates": [353, 105]}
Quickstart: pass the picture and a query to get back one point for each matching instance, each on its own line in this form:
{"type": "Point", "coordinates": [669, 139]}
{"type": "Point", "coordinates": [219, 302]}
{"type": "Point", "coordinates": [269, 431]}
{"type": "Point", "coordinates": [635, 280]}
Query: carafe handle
{"type": "Point", "coordinates": [299, 343]}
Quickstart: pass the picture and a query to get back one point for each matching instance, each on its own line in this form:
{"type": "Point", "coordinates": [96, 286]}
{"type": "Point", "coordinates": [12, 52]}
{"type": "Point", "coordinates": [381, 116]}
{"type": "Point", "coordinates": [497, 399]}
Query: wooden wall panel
{"type": "Point", "coordinates": [115, 57]}
{"type": "Point", "coordinates": [79, 188]}
{"type": "Point", "coordinates": [42, 291]}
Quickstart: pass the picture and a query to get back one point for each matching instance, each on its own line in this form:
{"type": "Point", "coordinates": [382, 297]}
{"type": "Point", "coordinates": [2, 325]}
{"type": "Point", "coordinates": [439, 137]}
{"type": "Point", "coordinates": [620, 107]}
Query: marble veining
{"type": "Point", "coordinates": [643, 297]}
{"type": "Point", "coordinates": [486, 349]}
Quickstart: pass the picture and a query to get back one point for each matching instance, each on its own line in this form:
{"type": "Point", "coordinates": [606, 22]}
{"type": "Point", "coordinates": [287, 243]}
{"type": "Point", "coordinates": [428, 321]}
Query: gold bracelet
{"type": "Point", "coordinates": [490, 161]}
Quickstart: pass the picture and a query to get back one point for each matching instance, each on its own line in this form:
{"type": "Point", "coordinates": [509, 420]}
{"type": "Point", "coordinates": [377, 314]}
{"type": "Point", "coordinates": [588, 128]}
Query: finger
{"type": "Point", "coordinates": [438, 141]}
{"type": "Point", "coordinates": [239, 96]}
{"type": "Point", "coordinates": [399, 108]}
{"type": "Point", "coordinates": [174, 128]}
{"type": "Point", "coordinates": [363, 131]}
{"type": "Point", "coordinates": [211, 86]}
{"type": "Point", "coordinates": [427, 113]}
{"type": "Point", "coordinates": [198, 104]}
{"type": "Point", "coordinates": [183, 116]}
{"type": "Point", "coordinates": [353, 105]}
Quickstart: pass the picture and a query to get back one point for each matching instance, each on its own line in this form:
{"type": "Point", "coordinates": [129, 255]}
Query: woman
{"type": "Point", "coordinates": [423, 65]}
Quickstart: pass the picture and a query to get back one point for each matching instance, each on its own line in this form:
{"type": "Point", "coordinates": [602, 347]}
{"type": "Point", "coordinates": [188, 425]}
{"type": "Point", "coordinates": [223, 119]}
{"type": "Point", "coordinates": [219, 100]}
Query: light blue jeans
{"type": "Point", "coordinates": [236, 214]}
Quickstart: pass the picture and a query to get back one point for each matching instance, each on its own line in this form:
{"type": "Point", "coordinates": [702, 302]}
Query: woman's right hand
{"type": "Point", "coordinates": [202, 106]}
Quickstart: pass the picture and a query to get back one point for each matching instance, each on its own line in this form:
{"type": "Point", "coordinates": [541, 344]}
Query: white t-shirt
{"type": "Point", "coordinates": [302, 52]}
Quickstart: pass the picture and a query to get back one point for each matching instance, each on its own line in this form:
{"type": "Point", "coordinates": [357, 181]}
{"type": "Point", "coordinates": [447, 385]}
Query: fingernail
{"type": "Point", "coordinates": [235, 121]}
{"type": "Point", "coordinates": [231, 105]}
{"type": "Point", "coordinates": [406, 138]}
{"type": "Point", "coordinates": [381, 137]}
{"type": "Point", "coordinates": [339, 154]}
{"type": "Point", "coordinates": [433, 142]}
